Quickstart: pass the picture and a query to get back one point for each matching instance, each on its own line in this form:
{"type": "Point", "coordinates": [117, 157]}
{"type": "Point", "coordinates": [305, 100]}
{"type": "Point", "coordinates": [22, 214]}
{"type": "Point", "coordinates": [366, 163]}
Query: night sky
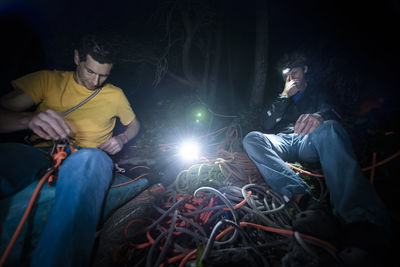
{"type": "Point", "coordinates": [357, 38]}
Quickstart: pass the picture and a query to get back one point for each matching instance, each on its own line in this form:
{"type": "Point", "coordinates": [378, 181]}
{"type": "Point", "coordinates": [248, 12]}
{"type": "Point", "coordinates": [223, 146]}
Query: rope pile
{"type": "Point", "coordinates": [197, 176]}
{"type": "Point", "coordinates": [209, 224]}
{"type": "Point", "coordinates": [229, 169]}
{"type": "Point", "coordinates": [238, 167]}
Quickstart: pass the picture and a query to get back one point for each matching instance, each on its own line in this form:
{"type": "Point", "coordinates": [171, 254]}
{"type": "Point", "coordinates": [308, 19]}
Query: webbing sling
{"type": "Point", "coordinates": [83, 102]}
{"type": "Point", "coordinates": [39, 140]}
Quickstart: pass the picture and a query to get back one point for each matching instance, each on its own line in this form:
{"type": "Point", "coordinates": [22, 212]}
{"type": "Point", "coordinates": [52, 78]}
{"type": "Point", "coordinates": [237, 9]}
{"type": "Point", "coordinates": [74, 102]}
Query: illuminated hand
{"type": "Point", "coordinates": [112, 146]}
{"type": "Point", "coordinates": [291, 87]}
{"type": "Point", "coordinates": [49, 124]}
{"type": "Point", "coordinates": [307, 123]}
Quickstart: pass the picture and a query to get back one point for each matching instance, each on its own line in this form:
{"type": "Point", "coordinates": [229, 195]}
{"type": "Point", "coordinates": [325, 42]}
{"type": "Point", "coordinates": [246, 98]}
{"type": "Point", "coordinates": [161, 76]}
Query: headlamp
{"type": "Point", "coordinates": [285, 71]}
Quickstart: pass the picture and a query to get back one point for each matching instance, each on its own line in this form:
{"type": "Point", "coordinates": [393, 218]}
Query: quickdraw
{"type": "Point", "coordinates": [58, 155]}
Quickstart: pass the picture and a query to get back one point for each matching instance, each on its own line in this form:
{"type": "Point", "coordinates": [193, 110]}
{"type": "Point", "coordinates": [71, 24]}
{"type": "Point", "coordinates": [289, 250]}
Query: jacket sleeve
{"type": "Point", "coordinates": [327, 110]}
{"type": "Point", "coordinates": [273, 113]}
{"type": "Point", "coordinates": [329, 114]}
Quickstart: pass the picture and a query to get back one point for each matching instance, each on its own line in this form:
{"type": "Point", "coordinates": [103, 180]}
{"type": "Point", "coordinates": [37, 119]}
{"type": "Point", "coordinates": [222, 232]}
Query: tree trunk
{"type": "Point", "coordinates": [187, 45]}
{"type": "Point", "coordinates": [260, 62]}
{"type": "Point", "coordinates": [206, 70]}
{"type": "Point", "coordinates": [213, 82]}
{"type": "Point", "coordinates": [230, 71]}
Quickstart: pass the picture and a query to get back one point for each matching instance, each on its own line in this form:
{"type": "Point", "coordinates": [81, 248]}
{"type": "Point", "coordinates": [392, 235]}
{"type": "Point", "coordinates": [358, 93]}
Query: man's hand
{"type": "Point", "coordinates": [49, 125]}
{"type": "Point", "coordinates": [307, 123]}
{"type": "Point", "coordinates": [291, 87]}
{"type": "Point", "coordinates": [115, 144]}
{"type": "Point", "coordinates": [112, 146]}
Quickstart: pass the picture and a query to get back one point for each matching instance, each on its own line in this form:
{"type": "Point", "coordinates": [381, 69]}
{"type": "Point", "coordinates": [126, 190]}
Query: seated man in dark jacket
{"type": "Point", "coordinates": [300, 126]}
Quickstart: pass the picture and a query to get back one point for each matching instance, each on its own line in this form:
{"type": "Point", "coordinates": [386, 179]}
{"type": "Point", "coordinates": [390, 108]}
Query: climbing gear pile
{"type": "Point", "coordinates": [205, 225]}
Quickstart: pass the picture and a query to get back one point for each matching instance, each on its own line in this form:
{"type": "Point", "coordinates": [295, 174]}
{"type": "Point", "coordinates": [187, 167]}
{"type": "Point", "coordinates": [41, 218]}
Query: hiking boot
{"type": "Point", "coordinates": [308, 202]}
{"type": "Point", "coordinates": [316, 219]}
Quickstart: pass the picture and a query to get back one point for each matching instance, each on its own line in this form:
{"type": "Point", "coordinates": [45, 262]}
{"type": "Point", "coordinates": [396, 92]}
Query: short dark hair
{"type": "Point", "coordinates": [98, 47]}
{"type": "Point", "coordinates": [292, 60]}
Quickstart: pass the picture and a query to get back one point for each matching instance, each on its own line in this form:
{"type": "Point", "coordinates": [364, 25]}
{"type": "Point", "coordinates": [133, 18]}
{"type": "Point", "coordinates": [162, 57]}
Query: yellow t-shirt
{"type": "Point", "coordinates": [93, 122]}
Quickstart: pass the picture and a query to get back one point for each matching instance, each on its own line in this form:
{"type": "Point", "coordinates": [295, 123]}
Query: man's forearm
{"type": "Point", "coordinates": [131, 131]}
{"type": "Point", "coordinates": [11, 121]}
{"type": "Point", "coordinates": [273, 113]}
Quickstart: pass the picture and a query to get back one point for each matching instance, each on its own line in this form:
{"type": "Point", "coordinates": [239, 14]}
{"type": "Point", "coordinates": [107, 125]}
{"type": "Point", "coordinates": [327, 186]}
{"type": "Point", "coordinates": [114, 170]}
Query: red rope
{"type": "Point", "coordinates": [372, 167]}
{"type": "Point", "coordinates": [24, 217]}
{"type": "Point", "coordinates": [135, 179]}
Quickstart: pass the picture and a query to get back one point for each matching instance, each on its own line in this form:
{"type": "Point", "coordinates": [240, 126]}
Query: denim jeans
{"type": "Point", "coordinates": [353, 198]}
{"type": "Point", "coordinates": [83, 180]}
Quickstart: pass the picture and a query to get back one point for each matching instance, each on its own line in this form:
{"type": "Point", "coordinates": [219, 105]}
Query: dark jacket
{"type": "Point", "coordinates": [281, 115]}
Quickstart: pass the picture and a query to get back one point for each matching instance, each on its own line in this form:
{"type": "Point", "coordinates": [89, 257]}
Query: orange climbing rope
{"type": "Point", "coordinates": [372, 167]}
{"type": "Point", "coordinates": [135, 179]}
{"type": "Point", "coordinates": [57, 159]}
{"type": "Point", "coordinates": [25, 216]}
{"type": "Point", "coordinates": [49, 176]}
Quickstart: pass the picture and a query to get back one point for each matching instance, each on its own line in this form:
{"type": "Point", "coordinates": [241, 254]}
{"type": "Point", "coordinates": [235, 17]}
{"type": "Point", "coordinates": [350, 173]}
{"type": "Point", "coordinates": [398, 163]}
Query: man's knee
{"type": "Point", "coordinates": [253, 139]}
{"type": "Point", "coordinates": [330, 132]}
{"type": "Point", "coordinates": [256, 143]}
{"type": "Point", "coordinates": [330, 126]}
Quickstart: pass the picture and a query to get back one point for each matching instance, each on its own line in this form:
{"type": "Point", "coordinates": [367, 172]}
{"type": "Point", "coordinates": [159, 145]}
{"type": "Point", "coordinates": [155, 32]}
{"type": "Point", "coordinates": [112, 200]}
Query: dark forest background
{"type": "Point", "coordinates": [220, 53]}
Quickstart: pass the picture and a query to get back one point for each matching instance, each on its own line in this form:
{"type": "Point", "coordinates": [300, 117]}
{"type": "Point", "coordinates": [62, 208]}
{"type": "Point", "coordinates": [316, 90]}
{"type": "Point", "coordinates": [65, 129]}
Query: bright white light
{"type": "Point", "coordinates": [189, 150]}
{"type": "Point", "coordinates": [285, 71]}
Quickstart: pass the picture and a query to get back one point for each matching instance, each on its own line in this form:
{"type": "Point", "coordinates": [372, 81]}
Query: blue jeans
{"type": "Point", "coordinates": [83, 180]}
{"type": "Point", "coordinates": [352, 197]}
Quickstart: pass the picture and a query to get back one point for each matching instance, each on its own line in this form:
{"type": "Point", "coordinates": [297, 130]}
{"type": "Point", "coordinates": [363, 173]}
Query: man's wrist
{"type": "Point", "coordinates": [284, 95]}
{"type": "Point", "coordinates": [318, 116]}
{"type": "Point", "coordinates": [26, 118]}
{"type": "Point", "coordinates": [123, 138]}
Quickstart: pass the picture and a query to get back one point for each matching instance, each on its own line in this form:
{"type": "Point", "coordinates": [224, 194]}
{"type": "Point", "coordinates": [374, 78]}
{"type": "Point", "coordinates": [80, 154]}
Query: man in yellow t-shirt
{"type": "Point", "coordinates": [84, 176]}
{"type": "Point", "coordinates": [54, 92]}
{"type": "Point", "coordinates": [91, 124]}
